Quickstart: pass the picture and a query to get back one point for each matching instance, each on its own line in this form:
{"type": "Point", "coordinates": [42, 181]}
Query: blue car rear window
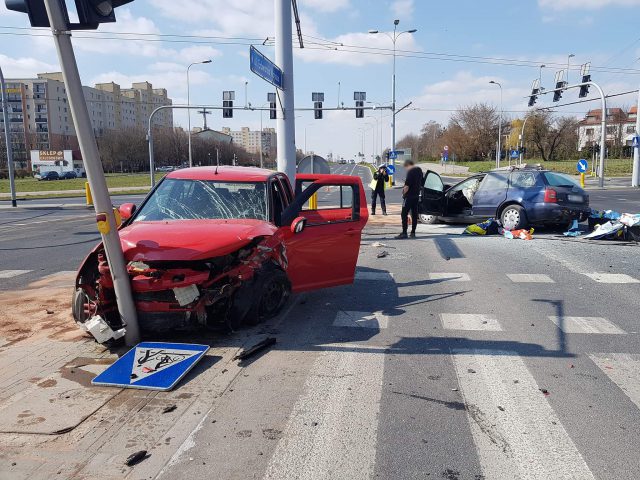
{"type": "Point", "coordinates": [559, 180]}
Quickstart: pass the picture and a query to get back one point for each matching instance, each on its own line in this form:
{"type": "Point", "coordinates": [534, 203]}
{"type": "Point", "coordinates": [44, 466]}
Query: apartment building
{"type": "Point", "coordinates": [40, 118]}
{"type": "Point", "coordinates": [621, 128]}
{"type": "Point", "coordinates": [250, 140]}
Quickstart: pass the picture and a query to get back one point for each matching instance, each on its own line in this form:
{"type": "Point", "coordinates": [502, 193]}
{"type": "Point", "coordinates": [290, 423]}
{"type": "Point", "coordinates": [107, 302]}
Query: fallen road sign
{"type": "Point", "coordinates": [152, 366]}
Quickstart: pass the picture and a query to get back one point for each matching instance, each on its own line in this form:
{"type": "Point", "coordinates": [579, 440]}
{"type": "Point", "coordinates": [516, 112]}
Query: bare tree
{"type": "Point", "coordinates": [552, 136]}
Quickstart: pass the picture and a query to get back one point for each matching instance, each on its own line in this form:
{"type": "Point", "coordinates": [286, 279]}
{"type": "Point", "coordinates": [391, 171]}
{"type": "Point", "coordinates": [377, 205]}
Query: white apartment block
{"type": "Point", "coordinates": [250, 140]}
{"type": "Point", "coordinates": [41, 120]}
{"type": "Point", "coordinates": [621, 128]}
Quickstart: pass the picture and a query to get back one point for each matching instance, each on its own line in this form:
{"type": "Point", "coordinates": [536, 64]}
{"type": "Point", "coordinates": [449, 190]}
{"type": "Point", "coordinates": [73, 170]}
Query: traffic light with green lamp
{"type": "Point", "coordinates": [91, 13]}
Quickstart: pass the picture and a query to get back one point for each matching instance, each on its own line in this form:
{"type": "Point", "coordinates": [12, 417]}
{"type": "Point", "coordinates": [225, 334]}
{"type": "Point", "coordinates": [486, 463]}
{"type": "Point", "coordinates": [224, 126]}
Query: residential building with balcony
{"type": "Point", "coordinates": [250, 140]}
{"type": "Point", "coordinates": [621, 128]}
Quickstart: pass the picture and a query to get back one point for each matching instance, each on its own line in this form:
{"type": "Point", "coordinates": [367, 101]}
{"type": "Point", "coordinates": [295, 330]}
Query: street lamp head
{"type": "Point", "coordinates": [571, 55]}
{"type": "Point", "coordinates": [396, 22]}
{"type": "Point", "coordinates": [207, 61]}
{"type": "Point", "coordinates": [543, 66]}
{"type": "Point", "coordinates": [374, 31]}
{"type": "Point", "coordinates": [491, 81]}
{"type": "Point", "coordinates": [413, 30]}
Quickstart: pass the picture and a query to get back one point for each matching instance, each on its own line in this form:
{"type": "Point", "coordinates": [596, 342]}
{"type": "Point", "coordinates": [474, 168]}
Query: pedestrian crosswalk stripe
{"type": "Point", "coordinates": [12, 273]}
{"type": "Point", "coordinates": [376, 320]}
{"type": "Point", "coordinates": [529, 278]}
{"type": "Point", "coordinates": [612, 278]}
{"type": "Point", "coordinates": [383, 276]}
{"type": "Point", "coordinates": [451, 277]}
{"type": "Point", "coordinates": [516, 431]}
{"type": "Point", "coordinates": [623, 369]}
{"type": "Point", "coordinates": [465, 321]}
{"type": "Point", "coordinates": [332, 429]}
{"type": "Point", "coordinates": [597, 325]}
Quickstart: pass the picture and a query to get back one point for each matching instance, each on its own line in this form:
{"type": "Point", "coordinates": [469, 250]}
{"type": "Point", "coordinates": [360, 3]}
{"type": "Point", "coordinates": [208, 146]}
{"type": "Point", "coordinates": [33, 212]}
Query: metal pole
{"type": "Point", "coordinates": [152, 163]}
{"type": "Point", "coordinates": [7, 139]}
{"type": "Point", "coordinates": [524, 123]}
{"type": "Point", "coordinates": [261, 156]}
{"type": "Point", "coordinates": [286, 120]}
{"type": "Point", "coordinates": [393, 105]}
{"type": "Point", "coordinates": [635, 177]}
{"type": "Point", "coordinates": [93, 166]}
{"type": "Point", "coordinates": [603, 135]}
{"type": "Point", "coordinates": [188, 120]}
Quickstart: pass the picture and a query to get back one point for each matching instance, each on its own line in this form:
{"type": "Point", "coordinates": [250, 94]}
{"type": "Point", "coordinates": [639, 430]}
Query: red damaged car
{"type": "Point", "coordinates": [226, 245]}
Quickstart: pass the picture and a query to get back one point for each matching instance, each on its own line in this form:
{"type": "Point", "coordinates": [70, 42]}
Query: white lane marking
{"type": "Point", "coordinates": [12, 273]}
{"type": "Point", "coordinates": [517, 434]}
{"type": "Point", "coordinates": [611, 278]}
{"type": "Point", "coordinates": [375, 320]}
{"type": "Point", "coordinates": [596, 325]}
{"type": "Point", "coordinates": [385, 276]}
{"type": "Point", "coordinates": [332, 430]}
{"type": "Point", "coordinates": [623, 369]}
{"type": "Point", "coordinates": [451, 277]}
{"type": "Point", "coordinates": [529, 278]}
{"type": "Point", "coordinates": [467, 321]}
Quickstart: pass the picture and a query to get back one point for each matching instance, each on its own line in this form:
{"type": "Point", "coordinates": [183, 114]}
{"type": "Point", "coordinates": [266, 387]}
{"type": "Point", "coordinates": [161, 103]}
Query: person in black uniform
{"type": "Point", "coordinates": [411, 197]}
{"type": "Point", "coordinates": [381, 176]}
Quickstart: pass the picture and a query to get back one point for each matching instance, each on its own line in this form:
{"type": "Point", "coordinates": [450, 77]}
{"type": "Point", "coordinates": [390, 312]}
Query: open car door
{"type": "Point", "coordinates": [432, 198]}
{"type": "Point", "coordinates": [325, 253]}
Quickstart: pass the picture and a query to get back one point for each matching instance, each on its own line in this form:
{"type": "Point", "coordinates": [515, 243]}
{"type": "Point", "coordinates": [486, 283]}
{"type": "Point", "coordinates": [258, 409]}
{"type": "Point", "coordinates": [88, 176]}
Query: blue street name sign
{"type": "Point", "coordinates": [391, 170]}
{"type": "Point", "coordinates": [152, 365]}
{"type": "Point", "coordinates": [582, 165]}
{"type": "Point", "coordinates": [393, 155]}
{"type": "Point", "coordinates": [265, 68]}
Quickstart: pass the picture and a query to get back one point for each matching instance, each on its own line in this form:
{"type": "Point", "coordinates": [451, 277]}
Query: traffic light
{"type": "Point", "coordinates": [227, 103]}
{"type": "Point", "coordinates": [91, 13]}
{"type": "Point", "coordinates": [584, 90]}
{"type": "Point", "coordinates": [317, 98]}
{"type": "Point", "coordinates": [560, 85]}
{"type": "Point", "coordinates": [535, 90]}
{"type": "Point", "coordinates": [360, 98]}
{"type": "Point", "coordinates": [271, 98]}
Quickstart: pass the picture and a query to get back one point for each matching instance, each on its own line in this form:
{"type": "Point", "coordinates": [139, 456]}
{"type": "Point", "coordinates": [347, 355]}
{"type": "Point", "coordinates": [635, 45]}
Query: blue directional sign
{"type": "Point", "coordinates": [152, 365]}
{"type": "Point", "coordinates": [582, 165]}
{"type": "Point", "coordinates": [265, 68]}
{"type": "Point", "coordinates": [393, 155]}
{"type": "Point", "coordinates": [391, 170]}
{"type": "Point", "coordinates": [515, 154]}
{"type": "Point", "coordinates": [636, 142]}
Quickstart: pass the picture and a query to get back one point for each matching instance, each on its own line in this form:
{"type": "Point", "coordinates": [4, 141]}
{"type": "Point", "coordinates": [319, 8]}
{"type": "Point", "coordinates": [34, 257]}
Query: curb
{"type": "Point", "coordinates": [45, 206]}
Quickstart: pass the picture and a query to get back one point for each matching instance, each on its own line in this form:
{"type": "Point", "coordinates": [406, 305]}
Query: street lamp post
{"type": "Point", "coordinates": [569, 57]}
{"type": "Point", "coordinates": [7, 139]}
{"type": "Point", "coordinates": [499, 151]}
{"type": "Point", "coordinates": [394, 39]}
{"type": "Point", "coordinates": [189, 110]}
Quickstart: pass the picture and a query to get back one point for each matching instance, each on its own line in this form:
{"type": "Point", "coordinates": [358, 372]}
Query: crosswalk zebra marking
{"type": "Point", "coordinates": [373, 320]}
{"type": "Point", "coordinates": [467, 321]}
{"type": "Point", "coordinates": [611, 278]}
{"type": "Point", "coordinates": [450, 277]}
{"type": "Point", "coordinates": [332, 429]}
{"type": "Point", "coordinates": [595, 325]}
{"type": "Point", "coordinates": [623, 369]}
{"type": "Point", "coordinates": [516, 431]}
{"type": "Point", "coordinates": [529, 278]}
{"type": "Point", "coordinates": [12, 273]}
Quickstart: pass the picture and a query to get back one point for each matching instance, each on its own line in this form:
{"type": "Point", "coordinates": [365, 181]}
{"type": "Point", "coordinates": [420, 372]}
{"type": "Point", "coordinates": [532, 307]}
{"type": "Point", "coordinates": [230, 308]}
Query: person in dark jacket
{"type": "Point", "coordinates": [410, 198]}
{"type": "Point", "coordinates": [380, 177]}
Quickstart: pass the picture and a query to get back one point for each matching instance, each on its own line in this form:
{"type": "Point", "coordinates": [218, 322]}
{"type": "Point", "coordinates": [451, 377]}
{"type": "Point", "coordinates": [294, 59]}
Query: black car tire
{"type": "Point", "coordinates": [514, 217]}
{"type": "Point", "coordinates": [273, 289]}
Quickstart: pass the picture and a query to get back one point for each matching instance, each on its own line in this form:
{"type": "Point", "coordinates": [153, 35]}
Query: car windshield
{"type": "Point", "coordinates": [178, 199]}
{"type": "Point", "coordinates": [560, 180]}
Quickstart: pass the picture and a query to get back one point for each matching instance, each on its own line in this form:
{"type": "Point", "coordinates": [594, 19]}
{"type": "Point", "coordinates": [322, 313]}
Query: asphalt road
{"type": "Point", "coordinates": [459, 358]}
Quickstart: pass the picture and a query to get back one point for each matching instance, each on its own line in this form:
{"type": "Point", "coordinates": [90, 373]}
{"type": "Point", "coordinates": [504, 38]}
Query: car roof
{"type": "Point", "coordinates": [223, 173]}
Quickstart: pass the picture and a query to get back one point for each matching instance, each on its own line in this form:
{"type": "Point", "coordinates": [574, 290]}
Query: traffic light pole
{"type": "Point", "coordinates": [93, 167]}
{"type": "Point", "coordinates": [635, 177]}
{"type": "Point", "coordinates": [7, 139]}
{"type": "Point", "coordinates": [286, 118]}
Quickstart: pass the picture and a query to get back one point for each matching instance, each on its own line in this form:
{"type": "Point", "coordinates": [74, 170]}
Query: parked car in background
{"type": "Point", "coordinates": [518, 197]}
{"type": "Point", "coordinates": [48, 176]}
{"type": "Point", "coordinates": [68, 176]}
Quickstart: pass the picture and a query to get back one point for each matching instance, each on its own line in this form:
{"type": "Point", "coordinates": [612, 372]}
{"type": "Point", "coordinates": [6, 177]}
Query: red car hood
{"type": "Point", "coordinates": [185, 240]}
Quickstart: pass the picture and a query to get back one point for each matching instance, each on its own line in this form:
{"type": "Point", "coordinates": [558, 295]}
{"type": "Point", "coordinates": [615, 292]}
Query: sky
{"type": "Point", "coordinates": [459, 47]}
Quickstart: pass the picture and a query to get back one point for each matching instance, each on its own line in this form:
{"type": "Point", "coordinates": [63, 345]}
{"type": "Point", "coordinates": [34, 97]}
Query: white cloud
{"type": "Point", "coordinates": [325, 5]}
{"type": "Point", "coordinates": [585, 4]}
{"type": "Point", "coordinates": [353, 49]}
{"type": "Point", "coordinates": [25, 67]}
{"type": "Point", "coordinates": [403, 8]}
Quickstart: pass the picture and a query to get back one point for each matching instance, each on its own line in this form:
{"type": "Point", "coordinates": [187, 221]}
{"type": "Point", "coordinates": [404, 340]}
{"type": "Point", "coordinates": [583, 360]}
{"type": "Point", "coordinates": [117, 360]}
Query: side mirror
{"type": "Point", "coordinates": [298, 225]}
{"type": "Point", "coordinates": [127, 210]}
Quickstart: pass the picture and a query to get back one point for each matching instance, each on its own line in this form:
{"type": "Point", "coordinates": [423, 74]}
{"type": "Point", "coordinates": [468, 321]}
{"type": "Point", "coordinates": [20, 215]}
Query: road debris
{"type": "Point", "coordinates": [517, 234]}
{"type": "Point", "coordinates": [383, 254]}
{"type": "Point", "coordinates": [488, 227]}
{"type": "Point", "coordinates": [501, 408]}
{"type": "Point", "coordinates": [574, 230]}
{"type": "Point", "coordinates": [169, 409]}
{"type": "Point", "coordinates": [135, 458]}
{"type": "Point", "coordinates": [545, 392]}
{"type": "Point", "coordinates": [378, 245]}
{"type": "Point", "coordinates": [267, 342]}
